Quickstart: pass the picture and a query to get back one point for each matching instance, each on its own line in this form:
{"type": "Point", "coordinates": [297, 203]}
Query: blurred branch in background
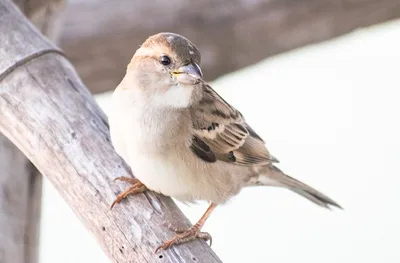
{"type": "Point", "coordinates": [101, 36]}
{"type": "Point", "coordinates": [52, 118]}
{"type": "Point", "coordinates": [46, 15]}
{"type": "Point", "coordinates": [20, 182]}
{"type": "Point", "coordinates": [20, 199]}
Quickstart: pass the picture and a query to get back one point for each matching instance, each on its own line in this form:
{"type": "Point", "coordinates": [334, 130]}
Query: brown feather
{"type": "Point", "coordinates": [224, 130]}
{"type": "Point", "coordinates": [202, 150]}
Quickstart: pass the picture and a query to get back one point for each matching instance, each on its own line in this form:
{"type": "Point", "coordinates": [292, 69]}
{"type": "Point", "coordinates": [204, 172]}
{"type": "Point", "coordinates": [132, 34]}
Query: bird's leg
{"type": "Point", "coordinates": [136, 188]}
{"type": "Point", "coordinates": [184, 236]}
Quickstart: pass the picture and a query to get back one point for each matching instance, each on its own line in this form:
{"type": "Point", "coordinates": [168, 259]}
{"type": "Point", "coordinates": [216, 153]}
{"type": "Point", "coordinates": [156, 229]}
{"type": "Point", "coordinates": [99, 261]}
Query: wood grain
{"type": "Point", "coordinates": [231, 34]}
{"type": "Point", "coordinates": [49, 114]}
{"type": "Point", "coordinates": [20, 182]}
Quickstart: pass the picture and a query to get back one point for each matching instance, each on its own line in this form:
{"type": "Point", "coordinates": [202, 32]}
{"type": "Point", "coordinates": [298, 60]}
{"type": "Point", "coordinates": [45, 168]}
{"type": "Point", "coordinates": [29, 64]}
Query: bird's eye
{"type": "Point", "coordinates": [165, 60]}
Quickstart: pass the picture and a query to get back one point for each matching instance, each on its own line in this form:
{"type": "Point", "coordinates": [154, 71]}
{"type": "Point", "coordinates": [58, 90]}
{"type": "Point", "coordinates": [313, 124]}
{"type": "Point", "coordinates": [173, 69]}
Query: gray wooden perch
{"type": "Point", "coordinates": [47, 112]}
{"type": "Point", "coordinates": [20, 182]}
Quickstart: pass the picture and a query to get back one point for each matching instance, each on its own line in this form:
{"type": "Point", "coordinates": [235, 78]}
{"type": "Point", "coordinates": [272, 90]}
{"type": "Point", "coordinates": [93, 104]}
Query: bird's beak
{"type": "Point", "coordinates": [189, 74]}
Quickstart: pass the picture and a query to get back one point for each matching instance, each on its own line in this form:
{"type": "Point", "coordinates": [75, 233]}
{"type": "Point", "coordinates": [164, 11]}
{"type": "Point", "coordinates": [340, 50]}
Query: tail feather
{"type": "Point", "coordinates": [283, 180]}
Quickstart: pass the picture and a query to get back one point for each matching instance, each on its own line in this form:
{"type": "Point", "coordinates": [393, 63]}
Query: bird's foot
{"type": "Point", "coordinates": [136, 188]}
{"type": "Point", "coordinates": [184, 236]}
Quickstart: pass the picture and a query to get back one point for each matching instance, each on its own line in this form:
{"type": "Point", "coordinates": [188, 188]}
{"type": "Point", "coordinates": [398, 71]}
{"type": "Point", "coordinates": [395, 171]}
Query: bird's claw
{"type": "Point", "coordinates": [174, 228]}
{"type": "Point", "coordinates": [184, 236]}
{"type": "Point", "coordinates": [136, 188]}
{"type": "Point", "coordinates": [127, 179]}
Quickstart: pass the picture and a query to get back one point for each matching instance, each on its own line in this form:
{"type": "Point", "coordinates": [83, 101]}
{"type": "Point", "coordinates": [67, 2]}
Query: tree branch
{"type": "Point", "coordinates": [20, 182]}
{"type": "Point", "coordinates": [230, 34]}
{"type": "Point", "coordinates": [49, 114]}
{"type": "Point", "coordinates": [20, 199]}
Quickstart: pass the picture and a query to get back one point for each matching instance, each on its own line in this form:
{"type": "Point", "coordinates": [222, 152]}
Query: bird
{"type": "Point", "coordinates": [183, 140]}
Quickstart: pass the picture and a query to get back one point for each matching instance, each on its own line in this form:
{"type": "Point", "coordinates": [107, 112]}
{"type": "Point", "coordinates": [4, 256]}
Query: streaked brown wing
{"type": "Point", "coordinates": [223, 129]}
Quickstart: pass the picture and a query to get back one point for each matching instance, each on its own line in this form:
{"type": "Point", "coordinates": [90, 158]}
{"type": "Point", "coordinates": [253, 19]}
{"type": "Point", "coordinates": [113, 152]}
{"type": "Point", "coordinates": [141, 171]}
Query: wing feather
{"type": "Point", "coordinates": [223, 129]}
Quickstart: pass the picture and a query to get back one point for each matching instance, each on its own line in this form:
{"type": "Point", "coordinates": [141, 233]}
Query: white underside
{"type": "Point", "coordinates": [163, 175]}
{"type": "Point", "coordinates": [156, 146]}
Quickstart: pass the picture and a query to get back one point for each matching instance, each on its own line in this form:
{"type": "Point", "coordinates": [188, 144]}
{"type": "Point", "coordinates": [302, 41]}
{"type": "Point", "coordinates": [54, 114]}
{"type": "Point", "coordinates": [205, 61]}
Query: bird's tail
{"type": "Point", "coordinates": [275, 177]}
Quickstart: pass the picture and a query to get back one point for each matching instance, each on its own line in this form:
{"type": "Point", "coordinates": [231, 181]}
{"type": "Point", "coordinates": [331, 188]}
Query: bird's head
{"type": "Point", "coordinates": [166, 68]}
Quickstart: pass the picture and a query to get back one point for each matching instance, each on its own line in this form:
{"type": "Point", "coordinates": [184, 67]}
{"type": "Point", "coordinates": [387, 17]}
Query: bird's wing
{"type": "Point", "coordinates": [221, 133]}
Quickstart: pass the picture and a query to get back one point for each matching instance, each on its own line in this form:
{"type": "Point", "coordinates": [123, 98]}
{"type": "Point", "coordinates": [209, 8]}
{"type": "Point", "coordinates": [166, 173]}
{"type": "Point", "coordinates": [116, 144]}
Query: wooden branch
{"type": "Point", "coordinates": [49, 114]}
{"type": "Point", "coordinates": [46, 15]}
{"type": "Point", "coordinates": [20, 198]}
{"type": "Point", "coordinates": [100, 37]}
{"type": "Point", "coordinates": [20, 182]}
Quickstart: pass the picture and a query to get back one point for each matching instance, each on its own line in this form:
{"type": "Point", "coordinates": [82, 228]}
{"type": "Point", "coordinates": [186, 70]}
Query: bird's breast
{"type": "Point", "coordinates": [156, 145]}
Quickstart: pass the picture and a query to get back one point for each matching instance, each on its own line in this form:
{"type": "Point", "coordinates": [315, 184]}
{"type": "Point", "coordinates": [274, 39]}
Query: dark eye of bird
{"type": "Point", "coordinates": [165, 60]}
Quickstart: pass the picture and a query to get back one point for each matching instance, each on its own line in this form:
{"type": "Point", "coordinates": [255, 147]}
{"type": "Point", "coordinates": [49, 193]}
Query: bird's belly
{"type": "Point", "coordinates": [165, 176]}
{"type": "Point", "coordinates": [167, 166]}
{"type": "Point", "coordinates": [183, 177]}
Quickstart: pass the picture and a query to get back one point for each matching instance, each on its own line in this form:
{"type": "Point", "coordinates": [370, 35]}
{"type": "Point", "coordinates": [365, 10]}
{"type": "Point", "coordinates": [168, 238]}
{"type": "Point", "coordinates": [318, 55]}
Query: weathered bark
{"type": "Point", "coordinates": [100, 37]}
{"type": "Point", "coordinates": [48, 113]}
{"type": "Point", "coordinates": [20, 182]}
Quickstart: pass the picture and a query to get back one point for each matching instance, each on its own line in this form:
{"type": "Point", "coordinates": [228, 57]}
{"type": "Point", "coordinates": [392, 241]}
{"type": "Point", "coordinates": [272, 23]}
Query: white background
{"type": "Point", "coordinates": [330, 114]}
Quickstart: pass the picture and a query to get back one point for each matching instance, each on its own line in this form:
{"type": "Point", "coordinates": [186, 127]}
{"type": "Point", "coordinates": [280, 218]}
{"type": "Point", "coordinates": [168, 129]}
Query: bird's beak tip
{"type": "Point", "coordinates": [191, 69]}
{"type": "Point", "coordinates": [189, 74]}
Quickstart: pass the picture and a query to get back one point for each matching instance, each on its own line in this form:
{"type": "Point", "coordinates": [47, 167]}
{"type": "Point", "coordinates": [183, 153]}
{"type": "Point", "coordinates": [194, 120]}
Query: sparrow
{"type": "Point", "coordinates": [182, 139]}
